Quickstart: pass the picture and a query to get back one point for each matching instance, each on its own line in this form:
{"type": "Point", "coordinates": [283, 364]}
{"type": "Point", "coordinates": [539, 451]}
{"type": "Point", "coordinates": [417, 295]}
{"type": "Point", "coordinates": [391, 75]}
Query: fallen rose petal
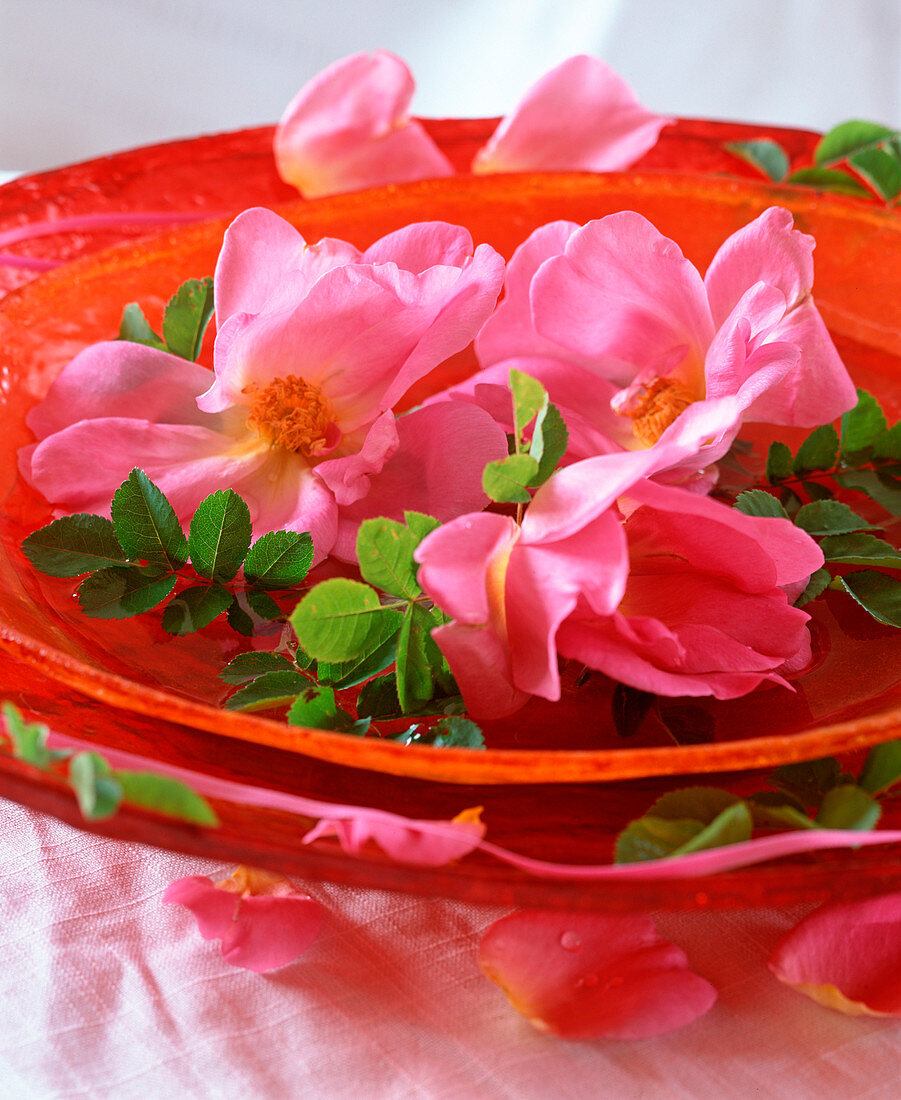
{"type": "Point", "coordinates": [846, 956]}
{"type": "Point", "coordinates": [591, 976]}
{"type": "Point", "coordinates": [261, 920]}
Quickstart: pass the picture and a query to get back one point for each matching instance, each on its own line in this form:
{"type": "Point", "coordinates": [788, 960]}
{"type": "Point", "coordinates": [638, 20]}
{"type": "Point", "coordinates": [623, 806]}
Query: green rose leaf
{"type": "Point", "coordinates": [829, 179]}
{"type": "Point", "coordinates": [378, 698]}
{"type": "Point", "coordinates": [808, 780]}
{"type": "Point", "coordinates": [848, 807]}
{"type": "Point", "coordinates": [121, 592]}
{"type": "Point", "coordinates": [758, 502]}
{"type": "Point", "coordinates": [818, 451]}
{"type": "Point", "coordinates": [816, 586]}
{"type": "Point", "coordinates": [279, 559]}
{"type": "Point", "coordinates": [529, 398]}
{"type": "Point", "coordinates": [346, 674]}
{"type": "Point", "coordinates": [876, 593]}
{"type": "Point", "coordinates": [166, 796]}
{"type": "Point", "coordinates": [385, 553]}
{"type": "Point", "coordinates": [629, 707]}
{"type": "Point", "coordinates": [887, 447]}
{"type": "Point", "coordinates": [882, 768]}
{"type": "Point", "coordinates": [880, 169]}
{"type": "Point", "coordinates": [414, 673]}
{"type": "Point", "coordinates": [187, 316]}
{"type": "Point", "coordinates": [550, 439]}
{"type": "Point", "coordinates": [421, 524]}
{"type": "Point", "coordinates": [239, 619]}
{"type": "Point", "coordinates": [862, 425]}
{"type": "Point", "coordinates": [771, 809]}
{"type": "Point", "coordinates": [881, 487]}
{"type": "Point", "coordinates": [341, 620]}
{"type": "Point", "coordinates": [830, 517]}
{"type": "Point", "coordinates": [849, 138]}
{"type": "Point", "coordinates": [506, 481]}
{"type": "Point", "coordinates": [456, 732]}
{"type": "Point", "coordinates": [220, 535]}
{"type": "Point", "coordinates": [247, 666]}
{"type": "Point", "coordinates": [780, 463]}
{"type": "Point", "coordinates": [269, 690]}
{"type": "Point", "coordinates": [263, 605]}
{"type": "Point", "coordinates": [29, 739]}
{"type": "Point", "coordinates": [860, 549]}
{"type": "Point", "coordinates": [74, 545]}
{"type": "Point", "coordinates": [146, 525]}
{"type": "Point", "coordinates": [655, 837]}
{"type": "Point", "coordinates": [194, 608]}
{"type": "Point", "coordinates": [763, 154]}
{"type": "Point", "coordinates": [98, 791]}
{"type": "Point", "coordinates": [136, 329]}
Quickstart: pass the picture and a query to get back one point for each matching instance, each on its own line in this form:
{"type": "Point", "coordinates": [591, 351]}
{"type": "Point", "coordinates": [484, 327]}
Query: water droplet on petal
{"type": "Point", "coordinates": [589, 981]}
{"type": "Point", "coordinates": [569, 941]}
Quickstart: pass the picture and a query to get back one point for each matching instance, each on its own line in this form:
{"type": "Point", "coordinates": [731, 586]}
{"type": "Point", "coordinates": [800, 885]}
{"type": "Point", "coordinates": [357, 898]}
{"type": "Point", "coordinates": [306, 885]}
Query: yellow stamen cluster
{"type": "Point", "coordinates": [292, 414]}
{"type": "Point", "coordinates": [655, 407]}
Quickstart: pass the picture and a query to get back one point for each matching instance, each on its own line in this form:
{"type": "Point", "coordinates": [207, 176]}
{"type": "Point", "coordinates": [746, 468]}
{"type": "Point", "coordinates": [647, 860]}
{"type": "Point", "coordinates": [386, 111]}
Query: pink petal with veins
{"type": "Point", "coordinates": [592, 976]}
{"type": "Point", "coordinates": [350, 128]}
{"type": "Point", "coordinates": [580, 116]}
{"type": "Point", "coordinates": [846, 956]}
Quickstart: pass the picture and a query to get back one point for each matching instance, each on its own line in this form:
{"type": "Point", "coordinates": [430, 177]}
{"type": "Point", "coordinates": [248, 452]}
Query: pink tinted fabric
{"type": "Point", "coordinates": [592, 976]}
{"type": "Point", "coordinates": [350, 128]}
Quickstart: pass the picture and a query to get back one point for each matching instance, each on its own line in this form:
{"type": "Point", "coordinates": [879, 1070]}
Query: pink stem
{"type": "Point", "coordinates": [114, 221]}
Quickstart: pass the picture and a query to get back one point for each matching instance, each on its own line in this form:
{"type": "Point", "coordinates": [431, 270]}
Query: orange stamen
{"type": "Point", "coordinates": [655, 407]}
{"type": "Point", "coordinates": [294, 415]}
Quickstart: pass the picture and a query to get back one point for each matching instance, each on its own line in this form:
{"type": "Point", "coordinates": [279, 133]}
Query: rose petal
{"type": "Point", "coordinates": [846, 956]}
{"type": "Point", "coordinates": [579, 116]}
{"type": "Point", "coordinates": [417, 843]}
{"type": "Point", "coordinates": [349, 128]}
{"type": "Point", "coordinates": [591, 976]}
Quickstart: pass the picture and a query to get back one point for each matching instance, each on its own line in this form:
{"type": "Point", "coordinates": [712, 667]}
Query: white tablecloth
{"type": "Point", "coordinates": [105, 992]}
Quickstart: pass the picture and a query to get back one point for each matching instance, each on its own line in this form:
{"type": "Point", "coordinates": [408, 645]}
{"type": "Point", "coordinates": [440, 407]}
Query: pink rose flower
{"type": "Point", "coordinates": [261, 920]}
{"type": "Point", "coordinates": [663, 589]}
{"type": "Point", "coordinates": [315, 346]}
{"type": "Point", "coordinates": [350, 127]}
{"type": "Point", "coordinates": [593, 976]}
{"type": "Point", "coordinates": [626, 335]}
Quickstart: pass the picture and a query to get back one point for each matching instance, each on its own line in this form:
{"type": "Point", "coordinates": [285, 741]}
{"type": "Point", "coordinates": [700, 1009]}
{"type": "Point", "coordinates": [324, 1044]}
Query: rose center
{"type": "Point", "coordinates": [294, 415]}
{"type": "Point", "coordinates": [653, 407]}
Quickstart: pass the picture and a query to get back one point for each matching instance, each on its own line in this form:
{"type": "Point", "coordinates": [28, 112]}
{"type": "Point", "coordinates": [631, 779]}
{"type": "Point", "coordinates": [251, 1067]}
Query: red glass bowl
{"type": "Point", "coordinates": [850, 699]}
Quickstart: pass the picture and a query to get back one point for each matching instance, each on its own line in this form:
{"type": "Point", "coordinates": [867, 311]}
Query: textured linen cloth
{"type": "Point", "coordinates": [105, 992]}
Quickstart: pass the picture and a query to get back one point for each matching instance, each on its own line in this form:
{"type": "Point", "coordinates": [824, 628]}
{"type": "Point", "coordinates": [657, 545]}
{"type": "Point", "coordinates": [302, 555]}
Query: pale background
{"type": "Point", "coordinates": [83, 77]}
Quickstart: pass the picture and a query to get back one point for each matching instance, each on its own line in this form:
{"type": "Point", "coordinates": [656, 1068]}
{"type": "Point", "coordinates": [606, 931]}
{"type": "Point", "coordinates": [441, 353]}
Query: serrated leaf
{"type": "Point", "coordinates": [529, 398]}
{"type": "Point", "coordinates": [779, 463]}
{"type": "Point", "coordinates": [878, 486]}
{"type": "Point", "coordinates": [315, 708]}
{"type": "Point", "coordinates": [136, 329]}
{"type": "Point", "coordinates": [860, 549]}
{"type": "Point", "coordinates": [888, 445]}
{"type": "Point", "coordinates": [765, 155]}
{"type": "Point", "coordinates": [550, 439]}
{"type": "Point", "coordinates": [385, 554]}
{"type": "Point", "coordinates": [829, 179]}
{"type": "Point", "coordinates": [830, 517]}
{"type": "Point", "coordinates": [413, 671]}
{"type": "Point", "coordinates": [29, 739]}
{"type": "Point", "coordinates": [818, 451]}
{"type": "Point", "coordinates": [239, 620]}
{"type": "Point", "coordinates": [882, 768]}
{"type": "Point", "coordinates": [341, 620]}
{"type": "Point", "coordinates": [849, 138]}
{"type": "Point", "coordinates": [505, 481]}
{"type": "Point", "coordinates": [816, 586]}
{"type": "Point", "coordinates": [219, 535]}
{"type": "Point", "coordinates": [629, 708]}
{"type": "Point", "coordinates": [848, 807]}
{"type": "Point", "coordinates": [166, 796]}
{"type": "Point", "coordinates": [876, 593]}
{"type": "Point", "coordinates": [73, 545]}
{"type": "Point", "coordinates": [146, 525]}
{"type": "Point", "coordinates": [773, 809]}
{"type": "Point", "coordinates": [378, 698]}
{"type": "Point", "coordinates": [808, 780]}
{"type": "Point", "coordinates": [654, 837]}
{"type": "Point", "coordinates": [758, 502]}
{"type": "Point", "coordinates": [862, 425]}
{"type": "Point", "coordinates": [455, 732]}
{"type": "Point", "coordinates": [263, 605]}
{"type": "Point", "coordinates": [279, 559]}
{"type": "Point", "coordinates": [186, 318]}
{"type": "Point", "coordinates": [121, 592]}
{"type": "Point", "coordinates": [346, 674]}
{"type": "Point", "coordinates": [194, 608]}
{"type": "Point", "coordinates": [421, 524]}
{"type": "Point", "coordinates": [247, 666]}
{"type": "Point", "coordinates": [702, 804]}
{"type": "Point", "coordinates": [880, 169]}
{"type": "Point", "coordinates": [98, 792]}
{"type": "Point", "coordinates": [268, 690]}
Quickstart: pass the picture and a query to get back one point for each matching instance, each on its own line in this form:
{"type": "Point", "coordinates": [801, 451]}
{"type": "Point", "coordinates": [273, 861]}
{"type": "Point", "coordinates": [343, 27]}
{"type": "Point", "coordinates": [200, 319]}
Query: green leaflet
{"type": "Point", "coordinates": [220, 534]}
{"type": "Point", "coordinates": [74, 545]}
{"type": "Point", "coordinates": [146, 524]}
